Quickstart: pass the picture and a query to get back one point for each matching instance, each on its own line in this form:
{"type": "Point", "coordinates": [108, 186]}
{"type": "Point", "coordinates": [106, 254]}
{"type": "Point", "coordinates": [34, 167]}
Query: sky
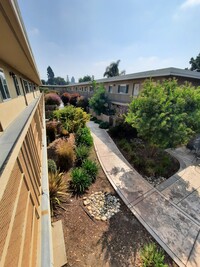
{"type": "Point", "coordinates": [82, 37]}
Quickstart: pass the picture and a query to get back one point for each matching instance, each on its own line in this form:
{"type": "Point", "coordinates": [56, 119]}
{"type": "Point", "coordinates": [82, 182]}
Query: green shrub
{"type": "Point", "coordinates": [104, 125]}
{"type": "Point", "coordinates": [52, 99]}
{"type": "Point", "coordinates": [80, 180]}
{"type": "Point", "coordinates": [65, 155]}
{"type": "Point", "coordinates": [72, 118]}
{"type": "Point", "coordinates": [57, 190]}
{"type": "Point", "coordinates": [83, 137]}
{"type": "Point", "coordinates": [52, 166]}
{"type": "Point", "coordinates": [151, 256]}
{"type": "Point", "coordinates": [93, 119]}
{"type": "Point", "coordinates": [91, 168]}
{"type": "Point", "coordinates": [123, 130]}
{"type": "Point", "coordinates": [82, 153]}
{"type": "Point", "coordinates": [98, 121]}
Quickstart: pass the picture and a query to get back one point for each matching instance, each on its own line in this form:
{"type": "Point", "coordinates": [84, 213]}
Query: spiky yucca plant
{"type": "Point", "coordinates": [57, 190]}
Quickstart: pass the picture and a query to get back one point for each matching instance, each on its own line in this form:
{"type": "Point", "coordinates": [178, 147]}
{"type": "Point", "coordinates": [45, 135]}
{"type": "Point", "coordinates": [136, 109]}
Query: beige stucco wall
{"type": "Point", "coordinates": [12, 107]}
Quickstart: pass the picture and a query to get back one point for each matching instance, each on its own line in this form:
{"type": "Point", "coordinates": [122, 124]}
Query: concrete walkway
{"type": "Point", "coordinates": [170, 212]}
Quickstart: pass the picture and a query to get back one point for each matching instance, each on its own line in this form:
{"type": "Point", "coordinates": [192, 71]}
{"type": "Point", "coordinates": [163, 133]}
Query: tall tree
{"type": "Point", "coordinates": [86, 78]}
{"type": "Point", "coordinates": [72, 79]}
{"type": "Point", "coordinates": [50, 76]}
{"type": "Point", "coordinates": [165, 114]}
{"type": "Point", "coordinates": [195, 63]}
{"type": "Point", "coordinates": [43, 82]}
{"type": "Point", "coordinates": [113, 70]}
{"type": "Point", "coordinates": [67, 79]}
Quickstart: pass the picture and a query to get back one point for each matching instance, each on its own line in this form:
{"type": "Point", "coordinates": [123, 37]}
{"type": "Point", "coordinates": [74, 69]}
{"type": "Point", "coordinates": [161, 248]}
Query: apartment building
{"type": "Point", "coordinates": [25, 235]}
{"type": "Point", "coordinates": [121, 89]}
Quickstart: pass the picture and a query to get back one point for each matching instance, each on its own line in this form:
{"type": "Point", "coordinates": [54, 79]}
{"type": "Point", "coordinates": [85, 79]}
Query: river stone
{"type": "Point", "coordinates": [102, 206]}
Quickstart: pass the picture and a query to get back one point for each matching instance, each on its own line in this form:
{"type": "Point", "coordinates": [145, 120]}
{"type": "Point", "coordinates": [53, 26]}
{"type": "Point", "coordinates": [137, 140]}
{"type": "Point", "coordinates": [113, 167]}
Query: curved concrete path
{"type": "Point", "coordinates": [170, 212]}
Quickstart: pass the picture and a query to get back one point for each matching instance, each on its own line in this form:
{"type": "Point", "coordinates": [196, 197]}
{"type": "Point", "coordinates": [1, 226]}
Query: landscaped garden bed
{"type": "Point", "coordinates": [99, 230]}
{"type": "Point", "coordinates": [154, 164]}
{"type": "Point", "coordinates": [116, 242]}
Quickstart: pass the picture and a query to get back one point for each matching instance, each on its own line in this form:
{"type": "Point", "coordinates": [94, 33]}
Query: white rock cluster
{"type": "Point", "coordinates": [102, 206]}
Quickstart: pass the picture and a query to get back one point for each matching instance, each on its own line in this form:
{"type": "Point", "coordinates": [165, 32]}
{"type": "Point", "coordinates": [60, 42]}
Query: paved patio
{"type": "Point", "coordinates": [170, 212]}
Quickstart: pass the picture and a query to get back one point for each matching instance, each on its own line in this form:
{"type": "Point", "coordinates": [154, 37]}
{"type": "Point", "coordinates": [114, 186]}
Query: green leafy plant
{"type": "Point", "coordinates": [104, 125]}
{"type": "Point", "coordinates": [65, 155]}
{"type": "Point", "coordinates": [91, 168]}
{"type": "Point", "coordinates": [99, 101]}
{"type": "Point", "coordinates": [57, 190]}
{"type": "Point", "coordinates": [71, 118]}
{"type": "Point", "coordinates": [83, 137]}
{"type": "Point", "coordinates": [151, 256]}
{"type": "Point", "coordinates": [80, 181]}
{"type": "Point", "coordinates": [82, 153]}
{"type": "Point", "coordinates": [52, 166]}
{"type": "Point", "coordinates": [165, 114]}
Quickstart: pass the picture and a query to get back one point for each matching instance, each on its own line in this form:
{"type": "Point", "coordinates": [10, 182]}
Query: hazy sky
{"type": "Point", "coordinates": [82, 37]}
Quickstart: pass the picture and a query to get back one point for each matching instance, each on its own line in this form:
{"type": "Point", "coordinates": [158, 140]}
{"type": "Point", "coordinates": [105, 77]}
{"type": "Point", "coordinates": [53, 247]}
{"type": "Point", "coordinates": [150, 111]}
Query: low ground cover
{"type": "Point", "coordinates": [153, 163]}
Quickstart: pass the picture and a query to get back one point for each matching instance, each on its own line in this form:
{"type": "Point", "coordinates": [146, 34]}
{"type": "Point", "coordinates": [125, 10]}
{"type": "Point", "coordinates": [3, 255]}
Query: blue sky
{"type": "Point", "coordinates": [82, 37]}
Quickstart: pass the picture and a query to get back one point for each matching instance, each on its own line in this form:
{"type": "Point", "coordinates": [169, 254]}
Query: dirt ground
{"type": "Point", "coordinates": [91, 243]}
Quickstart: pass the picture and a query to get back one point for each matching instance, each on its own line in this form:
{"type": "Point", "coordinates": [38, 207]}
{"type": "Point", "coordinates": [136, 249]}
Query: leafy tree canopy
{"type": "Point", "coordinates": [86, 78]}
{"type": "Point", "coordinates": [195, 63]}
{"type": "Point", "coordinates": [99, 101]}
{"type": "Point", "coordinates": [50, 76]}
{"type": "Point", "coordinates": [165, 114]}
{"type": "Point", "coordinates": [59, 81]}
{"type": "Point", "coordinates": [113, 70]}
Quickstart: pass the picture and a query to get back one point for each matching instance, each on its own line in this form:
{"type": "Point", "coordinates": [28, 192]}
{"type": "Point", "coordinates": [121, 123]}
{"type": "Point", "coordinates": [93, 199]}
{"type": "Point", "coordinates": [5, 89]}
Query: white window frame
{"type": "Point", "coordinates": [136, 89]}
{"type": "Point", "coordinates": [123, 89]}
{"type": "Point", "coordinates": [4, 86]}
{"type": "Point", "coordinates": [110, 88]}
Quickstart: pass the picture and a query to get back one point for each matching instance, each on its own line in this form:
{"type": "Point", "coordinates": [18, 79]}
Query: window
{"type": "Point", "coordinates": [110, 88]}
{"type": "Point", "coordinates": [136, 89]}
{"type": "Point", "coordinates": [3, 86]}
{"type": "Point", "coordinates": [123, 89]}
{"type": "Point", "coordinates": [16, 84]}
{"type": "Point", "coordinates": [30, 87]}
{"type": "Point", "coordinates": [26, 86]}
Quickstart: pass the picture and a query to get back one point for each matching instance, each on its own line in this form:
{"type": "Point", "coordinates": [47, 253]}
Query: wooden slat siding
{"type": "Point", "coordinates": [35, 151]}
{"type": "Point", "coordinates": [34, 171]}
{"type": "Point", "coordinates": [16, 236]}
{"type": "Point", "coordinates": [20, 202]}
{"type": "Point", "coordinates": [28, 236]}
{"type": "Point", "coordinates": [7, 204]}
{"type": "Point", "coordinates": [29, 181]}
{"type": "Point", "coordinates": [34, 155]}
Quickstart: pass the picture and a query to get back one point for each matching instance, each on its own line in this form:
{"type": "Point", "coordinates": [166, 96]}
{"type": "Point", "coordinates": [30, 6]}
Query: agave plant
{"type": "Point", "coordinates": [57, 190]}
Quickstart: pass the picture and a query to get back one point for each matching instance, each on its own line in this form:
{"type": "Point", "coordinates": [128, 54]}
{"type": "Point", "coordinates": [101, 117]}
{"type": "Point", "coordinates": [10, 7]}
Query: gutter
{"type": "Point", "coordinates": [46, 232]}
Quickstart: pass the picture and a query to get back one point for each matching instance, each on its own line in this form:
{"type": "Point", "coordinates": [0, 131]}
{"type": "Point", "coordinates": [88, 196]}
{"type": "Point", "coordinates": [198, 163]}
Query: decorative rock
{"type": "Point", "coordinates": [102, 206]}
